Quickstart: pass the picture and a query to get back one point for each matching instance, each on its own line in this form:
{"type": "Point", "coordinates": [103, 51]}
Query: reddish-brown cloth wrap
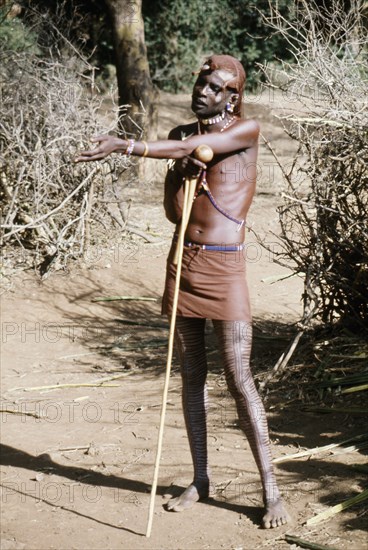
{"type": "Point", "coordinates": [212, 285]}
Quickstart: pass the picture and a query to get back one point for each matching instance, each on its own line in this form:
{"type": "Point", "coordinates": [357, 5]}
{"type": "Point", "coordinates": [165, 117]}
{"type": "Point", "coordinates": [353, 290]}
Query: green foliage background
{"type": "Point", "coordinates": [180, 34]}
{"type": "Point", "coordinates": [15, 35]}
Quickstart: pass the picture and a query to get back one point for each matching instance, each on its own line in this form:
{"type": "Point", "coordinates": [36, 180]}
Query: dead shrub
{"type": "Point", "coordinates": [324, 214]}
{"type": "Point", "coordinates": [53, 209]}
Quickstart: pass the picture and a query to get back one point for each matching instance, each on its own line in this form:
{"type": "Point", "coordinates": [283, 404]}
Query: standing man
{"type": "Point", "coordinates": [213, 284]}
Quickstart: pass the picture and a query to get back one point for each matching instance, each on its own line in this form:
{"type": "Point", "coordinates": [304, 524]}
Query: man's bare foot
{"type": "Point", "coordinates": [192, 494]}
{"type": "Point", "coordinates": [275, 515]}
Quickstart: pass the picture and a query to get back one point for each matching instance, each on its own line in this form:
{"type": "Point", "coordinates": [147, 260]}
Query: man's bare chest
{"type": "Point", "coordinates": [232, 172]}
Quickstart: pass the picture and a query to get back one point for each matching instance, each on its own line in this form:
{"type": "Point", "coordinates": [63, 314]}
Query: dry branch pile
{"type": "Point", "coordinates": [51, 206]}
{"type": "Point", "coordinates": [325, 210]}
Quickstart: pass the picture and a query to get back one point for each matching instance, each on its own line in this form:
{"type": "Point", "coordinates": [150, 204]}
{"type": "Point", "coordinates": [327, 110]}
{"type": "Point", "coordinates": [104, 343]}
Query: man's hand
{"type": "Point", "coordinates": [190, 167]}
{"type": "Point", "coordinates": [106, 145]}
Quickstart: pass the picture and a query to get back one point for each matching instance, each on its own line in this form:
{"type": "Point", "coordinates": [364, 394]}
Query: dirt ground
{"type": "Point", "coordinates": [77, 459]}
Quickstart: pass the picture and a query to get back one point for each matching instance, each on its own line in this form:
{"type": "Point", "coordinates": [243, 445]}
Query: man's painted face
{"type": "Point", "coordinates": [210, 94]}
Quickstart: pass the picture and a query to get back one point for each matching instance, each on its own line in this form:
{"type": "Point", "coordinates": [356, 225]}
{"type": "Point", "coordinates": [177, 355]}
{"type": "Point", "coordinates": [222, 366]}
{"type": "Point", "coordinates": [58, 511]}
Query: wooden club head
{"type": "Point", "coordinates": [203, 153]}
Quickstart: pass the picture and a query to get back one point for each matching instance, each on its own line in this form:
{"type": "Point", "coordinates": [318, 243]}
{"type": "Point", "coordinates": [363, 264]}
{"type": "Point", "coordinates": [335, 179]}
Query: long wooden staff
{"type": "Point", "coordinates": [204, 154]}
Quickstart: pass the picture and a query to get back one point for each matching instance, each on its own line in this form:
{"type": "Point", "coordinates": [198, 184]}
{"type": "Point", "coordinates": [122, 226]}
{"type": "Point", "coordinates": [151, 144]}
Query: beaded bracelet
{"type": "Point", "coordinates": [130, 147]}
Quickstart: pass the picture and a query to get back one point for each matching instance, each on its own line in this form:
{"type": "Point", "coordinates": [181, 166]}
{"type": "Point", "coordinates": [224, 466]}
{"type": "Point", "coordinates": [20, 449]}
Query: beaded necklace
{"type": "Point", "coordinates": [213, 120]}
{"type": "Point", "coordinates": [231, 119]}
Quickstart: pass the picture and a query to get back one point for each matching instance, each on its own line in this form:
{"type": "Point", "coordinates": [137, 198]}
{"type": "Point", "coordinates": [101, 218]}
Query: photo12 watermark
{"type": "Point", "coordinates": [66, 493]}
{"type": "Point", "coordinates": [70, 412]}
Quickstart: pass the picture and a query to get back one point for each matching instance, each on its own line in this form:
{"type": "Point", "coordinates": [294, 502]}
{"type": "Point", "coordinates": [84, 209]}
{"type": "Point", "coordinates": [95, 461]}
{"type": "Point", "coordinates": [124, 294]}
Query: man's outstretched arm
{"type": "Point", "coordinates": [240, 136]}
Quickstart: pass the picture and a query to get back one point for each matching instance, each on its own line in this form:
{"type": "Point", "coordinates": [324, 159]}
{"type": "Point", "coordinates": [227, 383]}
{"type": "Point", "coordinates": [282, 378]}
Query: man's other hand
{"type": "Point", "coordinates": [190, 167]}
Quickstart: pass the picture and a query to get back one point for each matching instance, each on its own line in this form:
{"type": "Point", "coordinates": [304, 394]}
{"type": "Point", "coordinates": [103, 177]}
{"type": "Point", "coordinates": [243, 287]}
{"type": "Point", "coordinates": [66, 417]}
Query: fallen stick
{"type": "Point", "coordinates": [96, 383]}
{"type": "Point", "coordinates": [142, 324]}
{"type": "Point", "coordinates": [306, 544]}
{"type": "Point", "coordinates": [127, 298]}
{"type": "Point", "coordinates": [69, 449]}
{"type": "Point", "coordinates": [283, 360]}
{"type": "Point", "coordinates": [204, 154]}
{"type": "Point", "coordinates": [25, 413]}
{"type": "Point", "coordinates": [80, 385]}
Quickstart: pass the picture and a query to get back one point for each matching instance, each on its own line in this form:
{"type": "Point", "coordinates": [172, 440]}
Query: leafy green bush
{"type": "Point", "coordinates": [179, 34]}
{"type": "Point", "coordinates": [14, 35]}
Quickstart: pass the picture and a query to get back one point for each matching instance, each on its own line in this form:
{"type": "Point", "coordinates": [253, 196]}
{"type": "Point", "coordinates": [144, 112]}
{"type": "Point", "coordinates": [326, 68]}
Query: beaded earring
{"type": "Point", "coordinates": [229, 107]}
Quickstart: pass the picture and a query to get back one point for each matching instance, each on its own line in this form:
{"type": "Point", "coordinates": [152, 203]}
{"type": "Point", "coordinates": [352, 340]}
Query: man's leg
{"type": "Point", "coordinates": [191, 347]}
{"type": "Point", "coordinates": [235, 341]}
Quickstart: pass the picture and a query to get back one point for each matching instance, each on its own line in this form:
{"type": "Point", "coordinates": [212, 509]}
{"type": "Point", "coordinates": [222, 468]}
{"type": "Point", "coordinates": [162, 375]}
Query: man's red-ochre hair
{"type": "Point", "coordinates": [233, 66]}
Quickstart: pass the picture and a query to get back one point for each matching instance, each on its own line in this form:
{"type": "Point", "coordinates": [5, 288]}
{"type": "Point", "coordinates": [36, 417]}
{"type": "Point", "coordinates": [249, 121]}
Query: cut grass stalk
{"type": "Point", "coordinates": [357, 499]}
{"type": "Point", "coordinates": [354, 389]}
{"type": "Point", "coordinates": [357, 378]}
{"type": "Point", "coordinates": [317, 450]}
{"type": "Point", "coordinates": [351, 449]}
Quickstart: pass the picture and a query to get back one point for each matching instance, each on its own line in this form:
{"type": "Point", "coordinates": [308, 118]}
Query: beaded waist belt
{"type": "Point", "coordinates": [214, 247]}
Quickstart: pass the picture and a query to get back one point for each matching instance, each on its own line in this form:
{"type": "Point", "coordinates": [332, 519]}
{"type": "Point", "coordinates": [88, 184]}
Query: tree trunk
{"type": "Point", "coordinates": [134, 80]}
